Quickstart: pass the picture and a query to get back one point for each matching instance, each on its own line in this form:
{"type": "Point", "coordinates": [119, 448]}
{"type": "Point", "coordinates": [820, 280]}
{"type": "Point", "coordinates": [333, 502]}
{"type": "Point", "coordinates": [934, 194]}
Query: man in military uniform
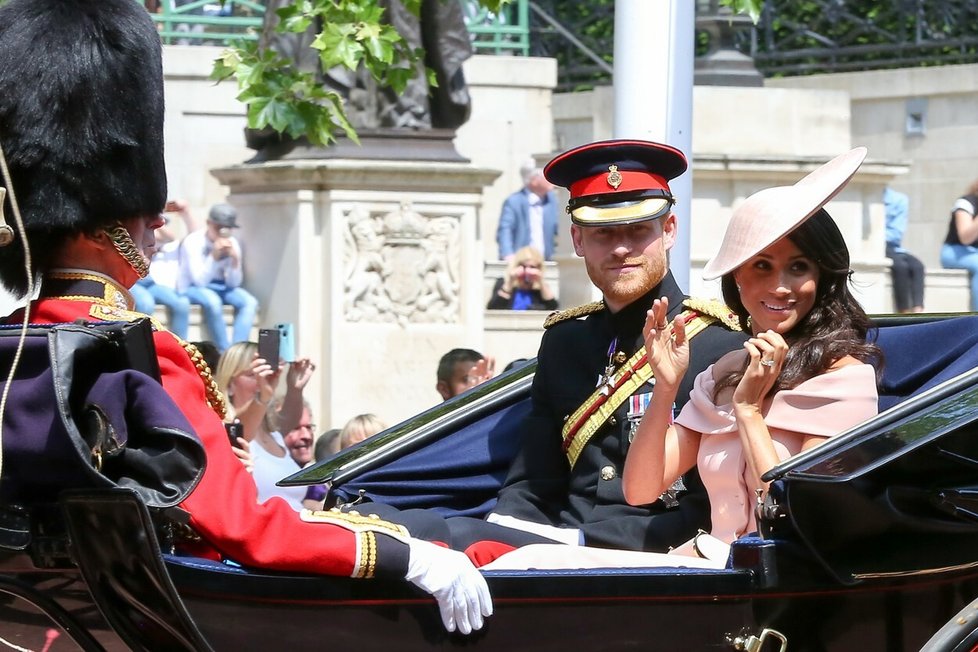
{"type": "Point", "coordinates": [81, 124]}
{"type": "Point", "coordinates": [592, 384]}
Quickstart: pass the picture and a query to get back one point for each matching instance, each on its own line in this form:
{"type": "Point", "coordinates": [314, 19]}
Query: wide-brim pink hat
{"type": "Point", "coordinates": [770, 214]}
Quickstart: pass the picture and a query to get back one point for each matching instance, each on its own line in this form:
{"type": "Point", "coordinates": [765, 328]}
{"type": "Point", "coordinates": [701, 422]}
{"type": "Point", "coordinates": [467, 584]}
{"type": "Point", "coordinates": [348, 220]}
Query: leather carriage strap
{"type": "Point", "coordinates": [592, 414]}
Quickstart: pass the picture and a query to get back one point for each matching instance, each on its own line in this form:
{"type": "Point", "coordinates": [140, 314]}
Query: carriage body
{"type": "Point", "coordinates": [869, 541]}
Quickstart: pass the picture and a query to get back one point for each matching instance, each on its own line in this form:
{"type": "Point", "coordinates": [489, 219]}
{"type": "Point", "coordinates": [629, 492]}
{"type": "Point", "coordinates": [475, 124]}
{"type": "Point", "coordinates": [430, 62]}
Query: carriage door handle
{"type": "Point", "coordinates": [750, 643]}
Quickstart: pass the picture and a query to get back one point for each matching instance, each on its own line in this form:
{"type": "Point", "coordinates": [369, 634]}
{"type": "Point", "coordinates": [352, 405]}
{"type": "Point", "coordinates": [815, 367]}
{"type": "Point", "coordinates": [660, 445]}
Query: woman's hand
{"type": "Point", "coordinates": [298, 375]}
{"type": "Point", "coordinates": [667, 349]}
{"type": "Point", "coordinates": [766, 353]}
{"type": "Point", "coordinates": [242, 451]}
{"type": "Point", "coordinates": [267, 378]}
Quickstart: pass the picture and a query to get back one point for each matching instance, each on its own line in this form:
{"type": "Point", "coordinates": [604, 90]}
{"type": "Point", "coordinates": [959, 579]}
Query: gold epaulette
{"type": "Point", "coordinates": [111, 313]}
{"type": "Point", "coordinates": [716, 309]}
{"type": "Point", "coordinates": [573, 313]}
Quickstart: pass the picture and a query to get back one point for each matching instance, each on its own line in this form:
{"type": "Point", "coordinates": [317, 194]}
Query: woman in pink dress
{"type": "Point", "coordinates": [803, 376]}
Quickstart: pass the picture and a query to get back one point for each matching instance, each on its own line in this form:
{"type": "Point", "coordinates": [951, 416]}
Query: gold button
{"type": "Point", "coordinates": [608, 473]}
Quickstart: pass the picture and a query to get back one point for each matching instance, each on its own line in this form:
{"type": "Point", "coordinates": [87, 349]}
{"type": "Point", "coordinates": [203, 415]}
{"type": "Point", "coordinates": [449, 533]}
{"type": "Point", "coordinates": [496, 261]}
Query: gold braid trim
{"type": "Point", "coordinates": [573, 313]}
{"type": "Point", "coordinates": [123, 243]}
{"type": "Point", "coordinates": [356, 522]}
{"type": "Point", "coordinates": [582, 425]}
{"type": "Point", "coordinates": [366, 564]}
{"type": "Point", "coordinates": [215, 397]}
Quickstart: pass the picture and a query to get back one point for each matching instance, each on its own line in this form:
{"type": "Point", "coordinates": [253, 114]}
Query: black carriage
{"type": "Point", "coordinates": [868, 542]}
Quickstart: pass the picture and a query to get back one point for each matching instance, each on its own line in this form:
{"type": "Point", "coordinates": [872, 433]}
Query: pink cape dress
{"type": "Point", "coordinates": [822, 406]}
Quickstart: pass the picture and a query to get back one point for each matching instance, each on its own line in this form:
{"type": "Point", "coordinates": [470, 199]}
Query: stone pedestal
{"type": "Point", "coordinates": [377, 264]}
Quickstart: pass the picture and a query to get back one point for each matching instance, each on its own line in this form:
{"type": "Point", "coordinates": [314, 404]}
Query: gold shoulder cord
{"type": "Point", "coordinates": [215, 397]}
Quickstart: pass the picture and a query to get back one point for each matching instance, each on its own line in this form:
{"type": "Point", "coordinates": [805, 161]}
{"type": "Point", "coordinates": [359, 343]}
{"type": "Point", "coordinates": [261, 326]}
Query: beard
{"type": "Point", "coordinates": [621, 289]}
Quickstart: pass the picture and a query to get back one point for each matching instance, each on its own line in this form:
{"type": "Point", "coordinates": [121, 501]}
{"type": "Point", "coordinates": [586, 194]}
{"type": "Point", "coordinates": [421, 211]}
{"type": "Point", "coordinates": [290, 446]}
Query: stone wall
{"type": "Point", "coordinates": [940, 148]}
{"type": "Point", "coordinates": [746, 138]}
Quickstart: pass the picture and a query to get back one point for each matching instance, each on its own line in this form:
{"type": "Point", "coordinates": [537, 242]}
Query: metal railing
{"type": "Point", "coordinates": [187, 22]}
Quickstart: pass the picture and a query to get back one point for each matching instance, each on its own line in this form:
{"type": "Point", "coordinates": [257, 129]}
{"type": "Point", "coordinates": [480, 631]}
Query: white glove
{"type": "Point", "coordinates": [461, 590]}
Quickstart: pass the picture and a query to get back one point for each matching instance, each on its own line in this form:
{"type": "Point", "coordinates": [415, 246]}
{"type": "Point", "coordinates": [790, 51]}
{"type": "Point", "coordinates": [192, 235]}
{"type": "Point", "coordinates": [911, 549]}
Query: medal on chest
{"type": "Point", "coordinates": [606, 380]}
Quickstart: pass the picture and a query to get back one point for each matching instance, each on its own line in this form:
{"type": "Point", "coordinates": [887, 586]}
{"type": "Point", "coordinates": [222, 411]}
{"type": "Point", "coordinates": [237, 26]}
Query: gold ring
{"type": "Point", "coordinates": [767, 363]}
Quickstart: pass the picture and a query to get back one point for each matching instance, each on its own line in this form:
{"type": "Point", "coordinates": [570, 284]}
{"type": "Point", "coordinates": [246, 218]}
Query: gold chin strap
{"type": "Point", "coordinates": [123, 243]}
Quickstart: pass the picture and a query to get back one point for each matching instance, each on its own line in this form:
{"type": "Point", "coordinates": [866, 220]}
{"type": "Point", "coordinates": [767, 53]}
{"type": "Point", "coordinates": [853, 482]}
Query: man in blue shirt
{"type": "Point", "coordinates": [529, 216]}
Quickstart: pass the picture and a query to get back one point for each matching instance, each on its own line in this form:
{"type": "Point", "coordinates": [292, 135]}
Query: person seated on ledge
{"type": "Point", "coordinates": [81, 122]}
{"type": "Point", "coordinates": [524, 286]}
{"type": "Point", "coordinates": [805, 374]}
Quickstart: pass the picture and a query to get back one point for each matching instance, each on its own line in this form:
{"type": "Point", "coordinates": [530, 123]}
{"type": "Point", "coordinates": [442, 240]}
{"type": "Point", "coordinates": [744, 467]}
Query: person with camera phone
{"type": "Point", "coordinates": [211, 274]}
{"type": "Point", "coordinates": [524, 286]}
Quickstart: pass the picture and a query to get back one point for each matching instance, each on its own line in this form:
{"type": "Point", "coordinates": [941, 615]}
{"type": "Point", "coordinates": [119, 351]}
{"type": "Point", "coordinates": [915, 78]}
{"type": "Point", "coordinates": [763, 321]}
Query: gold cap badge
{"type": "Point", "coordinates": [614, 176]}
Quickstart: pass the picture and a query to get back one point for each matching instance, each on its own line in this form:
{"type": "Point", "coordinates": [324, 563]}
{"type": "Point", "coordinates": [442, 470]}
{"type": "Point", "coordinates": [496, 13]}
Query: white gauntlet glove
{"type": "Point", "coordinates": [461, 590]}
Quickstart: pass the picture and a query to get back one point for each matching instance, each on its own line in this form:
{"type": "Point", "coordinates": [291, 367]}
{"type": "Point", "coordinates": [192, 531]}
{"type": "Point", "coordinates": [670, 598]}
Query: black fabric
{"type": "Point", "coordinates": [75, 403]}
{"type": "Point", "coordinates": [908, 278]}
{"type": "Point", "coordinates": [952, 231]}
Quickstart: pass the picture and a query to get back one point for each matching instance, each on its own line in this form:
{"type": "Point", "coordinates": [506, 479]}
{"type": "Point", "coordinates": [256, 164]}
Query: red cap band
{"type": "Point", "coordinates": [626, 181]}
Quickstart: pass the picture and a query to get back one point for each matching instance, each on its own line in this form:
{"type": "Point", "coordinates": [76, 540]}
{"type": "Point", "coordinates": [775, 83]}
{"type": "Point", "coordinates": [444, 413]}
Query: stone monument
{"type": "Point", "coordinates": [371, 250]}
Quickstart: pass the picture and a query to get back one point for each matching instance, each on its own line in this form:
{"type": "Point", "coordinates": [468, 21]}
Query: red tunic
{"type": "Point", "coordinates": [224, 508]}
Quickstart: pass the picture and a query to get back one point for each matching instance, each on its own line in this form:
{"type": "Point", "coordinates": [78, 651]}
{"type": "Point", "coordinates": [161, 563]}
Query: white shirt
{"type": "Point", "coordinates": [198, 267]}
{"type": "Point", "coordinates": [269, 469]}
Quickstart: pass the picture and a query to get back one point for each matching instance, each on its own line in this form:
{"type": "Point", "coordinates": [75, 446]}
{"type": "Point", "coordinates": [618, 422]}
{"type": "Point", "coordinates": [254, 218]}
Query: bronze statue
{"type": "Point", "coordinates": [440, 30]}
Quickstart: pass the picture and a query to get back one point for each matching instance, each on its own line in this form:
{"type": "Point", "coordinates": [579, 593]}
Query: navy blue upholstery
{"type": "Point", "coordinates": [920, 356]}
{"type": "Point", "coordinates": [460, 474]}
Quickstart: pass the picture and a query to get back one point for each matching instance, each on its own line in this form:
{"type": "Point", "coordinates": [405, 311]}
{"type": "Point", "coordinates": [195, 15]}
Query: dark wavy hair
{"type": "Point", "coordinates": [836, 327]}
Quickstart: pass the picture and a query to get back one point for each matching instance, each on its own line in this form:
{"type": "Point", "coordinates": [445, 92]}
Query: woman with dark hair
{"type": "Point", "coordinates": [805, 373]}
{"type": "Point", "coordinates": [960, 248]}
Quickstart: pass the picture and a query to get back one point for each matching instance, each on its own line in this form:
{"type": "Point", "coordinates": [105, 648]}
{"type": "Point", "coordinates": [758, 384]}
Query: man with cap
{"type": "Point", "coordinates": [592, 384]}
{"type": "Point", "coordinates": [211, 274]}
{"type": "Point", "coordinates": [81, 126]}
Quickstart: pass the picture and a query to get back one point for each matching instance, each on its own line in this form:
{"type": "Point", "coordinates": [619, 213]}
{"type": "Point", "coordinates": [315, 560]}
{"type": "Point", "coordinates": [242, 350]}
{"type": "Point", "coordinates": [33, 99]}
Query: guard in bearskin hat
{"type": "Point", "coordinates": [81, 127]}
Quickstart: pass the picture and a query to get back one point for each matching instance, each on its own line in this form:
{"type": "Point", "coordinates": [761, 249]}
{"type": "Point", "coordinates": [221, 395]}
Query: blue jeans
{"type": "Point", "coordinates": [212, 298]}
{"type": "Point", "coordinates": [963, 257]}
{"type": "Point", "coordinates": [148, 293]}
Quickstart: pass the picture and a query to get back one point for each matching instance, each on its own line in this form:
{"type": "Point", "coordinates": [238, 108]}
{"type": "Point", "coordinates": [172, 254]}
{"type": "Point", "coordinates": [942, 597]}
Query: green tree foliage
{"type": "Point", "coordinates": [353, 34]}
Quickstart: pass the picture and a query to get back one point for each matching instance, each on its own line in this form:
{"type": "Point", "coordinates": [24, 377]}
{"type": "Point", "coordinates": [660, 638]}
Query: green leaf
{"type": "Point", "coordinates": [337, 46]}
{"type": "Point", "coordinates": [277, 114]}
{"type": "Point", "coordinates": [750, 7]}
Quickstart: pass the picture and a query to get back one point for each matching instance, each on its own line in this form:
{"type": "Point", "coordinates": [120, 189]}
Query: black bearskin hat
{"type": "Point", "coordinates": [81, 121]}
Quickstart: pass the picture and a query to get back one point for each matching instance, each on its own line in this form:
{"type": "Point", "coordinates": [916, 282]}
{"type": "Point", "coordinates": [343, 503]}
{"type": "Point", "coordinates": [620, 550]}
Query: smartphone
{"type": "Point", "coordinates": [234, 431]}
{"type": "Point", "coordinates": [268, 345]}
{"type": "Point", "coordinates": [286, 347]}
